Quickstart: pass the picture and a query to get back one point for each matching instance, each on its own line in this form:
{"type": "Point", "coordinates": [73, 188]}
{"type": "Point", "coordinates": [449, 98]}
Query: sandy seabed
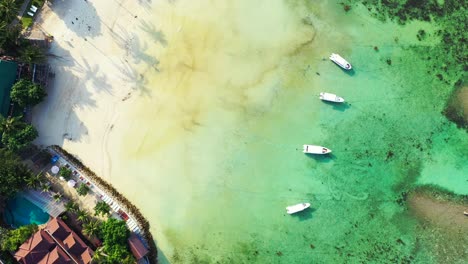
{"type": "Point", "coordinates": [196, 111]}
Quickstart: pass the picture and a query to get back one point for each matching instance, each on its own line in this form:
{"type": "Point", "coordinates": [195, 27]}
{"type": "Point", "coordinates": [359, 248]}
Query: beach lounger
{"type": "Point", "coordinates": [30, 14]}
{"type": "Point", "coordinates": [33, 9]}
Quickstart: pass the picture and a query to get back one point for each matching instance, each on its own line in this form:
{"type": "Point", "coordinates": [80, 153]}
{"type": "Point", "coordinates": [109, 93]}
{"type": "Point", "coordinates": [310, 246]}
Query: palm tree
{"type": "Point", "coordinates": [91, 228]}
{"type": "Point", "coordinates": [57, 197]}
{"type": "Point", "coordinates": [45, 187]}
{"type": "Point", "coordinates": [99, 256]}
{"type": "Point", "coordinates": [3, 32]}
{"type": "Point", "coordinates": [82, 216]}
{"type": "Point", "coordinates": [35, 181]}
{"type": "Point", "coordinates": [71, 206]}
{"type": "Point", "coordinates": [8, 10]}
{"type": "Point", "coordinates": [10, 124]}
{"type": "Point", "coordinates": [32, 54]}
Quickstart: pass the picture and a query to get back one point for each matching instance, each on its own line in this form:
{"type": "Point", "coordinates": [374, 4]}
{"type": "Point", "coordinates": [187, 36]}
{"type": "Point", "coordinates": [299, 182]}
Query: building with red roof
{"type": "Point", "coordinates": [55, 244]}
{"type": "Point", "coordinates": [139, 250]}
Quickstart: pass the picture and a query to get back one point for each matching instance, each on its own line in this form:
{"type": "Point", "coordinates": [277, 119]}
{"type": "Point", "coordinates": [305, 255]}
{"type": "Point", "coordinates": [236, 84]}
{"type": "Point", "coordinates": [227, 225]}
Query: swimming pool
{"type": "Point", "coordinates": [19, 212]}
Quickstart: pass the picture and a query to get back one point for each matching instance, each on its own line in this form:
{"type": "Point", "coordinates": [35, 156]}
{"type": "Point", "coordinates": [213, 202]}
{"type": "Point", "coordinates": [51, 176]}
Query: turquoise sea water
{"type": "Point", "coordinates": [20, 212]}
{"type": "Point", "coordinates": [214, 151]}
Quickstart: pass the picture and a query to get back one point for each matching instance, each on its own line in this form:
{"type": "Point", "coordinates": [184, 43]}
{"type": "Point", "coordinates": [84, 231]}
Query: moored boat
{"type": "Point", "coordinates": [340, 61]}
{"type": "Point", "coordinates": [331, 97]}
{"type": "Point", "coordinates": [297, 208]}
{"type": "Point", "coordinates": [313, 149]}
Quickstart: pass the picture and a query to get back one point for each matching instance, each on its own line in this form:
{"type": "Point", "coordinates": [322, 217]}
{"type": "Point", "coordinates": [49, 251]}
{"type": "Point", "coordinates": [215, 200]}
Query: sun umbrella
{"type": "Point", "coordinates": [71, 183]}
{"type": "Point", "coordinates": [55, 169]}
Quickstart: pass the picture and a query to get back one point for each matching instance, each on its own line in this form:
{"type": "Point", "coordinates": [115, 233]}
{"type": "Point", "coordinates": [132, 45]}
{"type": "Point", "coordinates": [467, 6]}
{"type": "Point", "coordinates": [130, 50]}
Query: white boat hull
{"type": "Point", "coordinates": [297, 208]}
{"type": "Point", "coordinates": [340, 61]}
{"type": "Point", "coordinates": [331, 97]}
{"type": "Point", "coordinates": [313, 149]}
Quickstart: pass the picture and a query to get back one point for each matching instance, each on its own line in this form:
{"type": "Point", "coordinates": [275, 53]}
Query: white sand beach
{"type": "Point", "coordinates": [92, 58]}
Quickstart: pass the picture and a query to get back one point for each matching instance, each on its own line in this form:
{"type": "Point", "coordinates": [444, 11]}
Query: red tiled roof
{"type": "Point", "coordinates": [35, 248]}
{"type": "Point", "coordinates": [136, 246]}
{"type": "Point", "coordinates": [56, 256]}
{"type": "Point", "coordinates": [55, 244]}
{"type": "Point", "coordinates": [69, 240]}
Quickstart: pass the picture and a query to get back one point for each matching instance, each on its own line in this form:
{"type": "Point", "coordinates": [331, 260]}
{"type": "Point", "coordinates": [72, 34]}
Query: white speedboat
{"type": "Point", "coordinates": [340, 61]}
{"type": "Point", "coordinates": [297, 208]}
{"type": "Point", "coordinates": [331, 97]}
{"type": "Point", "coordinates": [312, 149]}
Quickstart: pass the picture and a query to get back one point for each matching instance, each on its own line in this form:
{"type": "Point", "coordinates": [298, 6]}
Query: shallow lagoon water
{"type": "Point", "coordinates": [213, 154]}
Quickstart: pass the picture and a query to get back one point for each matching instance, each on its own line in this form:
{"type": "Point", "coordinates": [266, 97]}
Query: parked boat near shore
{"type": "Point", "coordinates": [331, 97]}
{"type": "Point", "coordinates": [297, 208]}
{"type": "Point", "coordinates": [313, 149]}
{"type": "Point", "coordinates": [340, 61]}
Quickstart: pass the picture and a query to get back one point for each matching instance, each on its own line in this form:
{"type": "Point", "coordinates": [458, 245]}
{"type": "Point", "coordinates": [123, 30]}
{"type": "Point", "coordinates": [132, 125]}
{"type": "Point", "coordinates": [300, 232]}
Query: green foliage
{"type": "Point", "coordinates": [16, 134]}
{"type": "Point", "coordinates": [32, 54]}
{"type": "Point", "coordinates": [27, 93]}
{"type": "Point", "coordinates": [66, 173]}
{"type": "Point", "coordinates": [26, 21]}
{"type": "Point", "coordinates": [71, 206]}
{"type": "Point", "coordinates": [101, 208]}
{"type": "Point", "coordinates": [13, 174]}
{"type": "Point", "coordinates": [57, 197]}
{"type": "Point", "coordinates": [9, 10]}
{"type": "Point", "coordinates": [10, 125]}
{"type": "Point", "coordinates": [18, 236]}
{"type": "Point", "coordinates": [91, 228]}
{"type": "Point", "coordinates": [83, 189]}
{"type": "Point", "coordinates": [114, 234]}
{"type": "Point", "coordinates": [20, 138]}
{"type": "Point", "coordinates": [82, 216]}
{"type": "Point", "coordinates": [117, 253]}
{"type": "Point", "coordinates": [35, 181]}
{"type": "Point", "coordinates": [9, 38]}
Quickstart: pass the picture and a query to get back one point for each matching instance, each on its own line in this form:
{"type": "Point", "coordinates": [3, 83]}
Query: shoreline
{"type": "Point", "coordinates": [116, 195]}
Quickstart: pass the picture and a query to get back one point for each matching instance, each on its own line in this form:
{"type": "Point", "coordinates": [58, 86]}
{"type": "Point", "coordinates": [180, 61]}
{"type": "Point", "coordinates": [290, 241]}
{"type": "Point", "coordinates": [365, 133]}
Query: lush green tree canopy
{"type": "Point", "coordinates": [114, 232]}
{"type": "Point", "coordinates": [18, 236]}
{"type": "Point", "coordinates": [20, 138]}
{"type": "Point", "coordinates": [91, 228]}
{"type": "Point", "coordinates": [9, 10]}
{"type": "Point", "coordinates": [101, 208]}
{"type": "Point", "coordinates": [26, 93]}
{"type": "Point", "coordinates": [83, 189]}
{"type": "Point", "coordinates": [66, 173]}
{"type": "Point", "coordinates": [13, 174]}
{"type": "Point", "coordinates": [32, 54]}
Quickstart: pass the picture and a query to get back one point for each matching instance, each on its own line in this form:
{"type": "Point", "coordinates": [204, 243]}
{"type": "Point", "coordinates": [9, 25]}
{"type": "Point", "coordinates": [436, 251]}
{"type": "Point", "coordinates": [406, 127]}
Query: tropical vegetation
{"type": "Point", "coordinates": [14, 175]}
{"type": "Point", "coordinates": [16, 134]}
{"type": "Point", "coordinates": [66, 173]}
{"type": "Point", "coordinates": [83, 189]}
{"type": "Point", "coordinates": [91, 228]}
{"type": "Point", "coordinates": [14, 238]}
{"type": "Point", "coordinates": [114, 234]}
{"type": "Point", "coordinates": [101, 208]}
{"type": "Point", "coordinates": [27, 93]}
